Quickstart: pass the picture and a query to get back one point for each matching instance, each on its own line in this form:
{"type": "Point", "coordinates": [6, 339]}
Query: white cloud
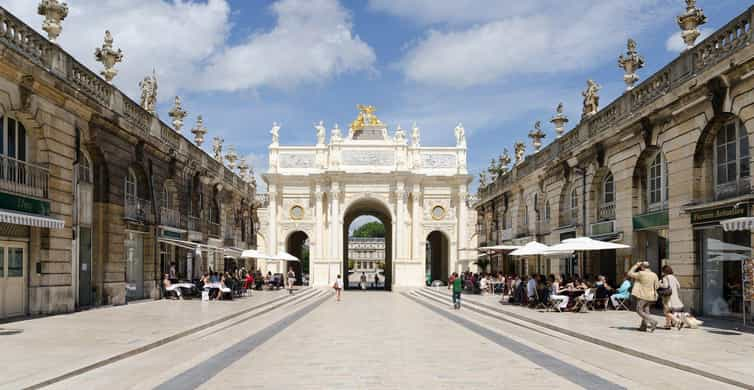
{"type": "Point", "coordinates": [186, 42]}
{"type": "Point", "coordinates": [539, 36]}
{"type": "Point", "coordinates": [312, 41]}
{"type": "Point", "coordinates": [675, 43]}
{"type": "Point", "coordinates": [171, 37]}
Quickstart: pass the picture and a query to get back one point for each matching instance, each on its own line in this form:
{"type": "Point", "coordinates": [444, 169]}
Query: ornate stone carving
{"type": "Point", "coordinates": [231, 156]}
{"type": "Point", "coordinates": [503, 161]}
{"type": "Point", "coordinates": [275, 133]}
{"type": "Point", "coordinates": [689, 22]}
{"type": "Point", "coordinates": [591, 98]}
{"type": "Point", "coordinates": [400, 136]}
{"type": "Point", "coordinates": [199, 131]}
{"type": "Point", "coordinates": [297, 160]}
{"type": "Point", "coordinates": [438, 160]}
{"type": "Point", "coordinates": [415, 136]}
{"type": "Point", "coordinates": [217, 148]}
{"type": "Point", "coordinates": [368, 158]}
{"type": "Point", "coordinates": [320, 127]}
{"type": "Point", "coordinates": [149, 93]}
{"type": "Point", "coordinates": [536, 136]}
{"type": "Point", "coordinates": [54, 12]}
{"type": "Point", "coordinates": [108, 57]}
{"type": "Point", "coordinates": [366, 117]}
{"type": "Point", "coordinates": [482, 180]}
{"type": "Point", "coordinates": [520, 149]}
{"type": "Point", "coordinates": [243, 169]}
{"type": "Point", "coordinates": [335, 136]}
{"type": "Point", "coordinates": [460, 136]}
{"type": "Point", "coordinates": [177, 113]}
{"type": "Point", "coordinates": [559, 120]}
{"type": "Point", "coordinates": [630, 63]}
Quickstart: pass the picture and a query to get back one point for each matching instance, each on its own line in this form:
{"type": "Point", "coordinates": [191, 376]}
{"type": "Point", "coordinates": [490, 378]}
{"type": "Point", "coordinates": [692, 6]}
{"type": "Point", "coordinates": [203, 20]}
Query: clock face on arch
{"type": "Point", "coordinates": [438, 212]}
{"type": "Point", "coordinates": [297, 212]}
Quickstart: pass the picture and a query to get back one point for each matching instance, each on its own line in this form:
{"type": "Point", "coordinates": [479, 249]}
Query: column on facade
{"type": "Point", "coordinates": [272, 242]}
{"type": "Point", "coordinates": [462, 218]}
{"type": "Point", "coordinates": [318, 225]}
{"type": "Point", "coordinates": [400, 216]}
{"type": "Point", "coordinates": [416, 218]}
{"type": "Point", "coordinates": [334, 220]}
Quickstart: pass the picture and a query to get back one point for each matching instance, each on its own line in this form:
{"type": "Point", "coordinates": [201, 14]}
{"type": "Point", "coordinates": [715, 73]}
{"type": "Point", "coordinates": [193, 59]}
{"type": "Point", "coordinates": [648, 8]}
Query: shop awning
{"type": "Point", "coordinates": [233, 252]}
{"type": "Point", "coordinates": [19, 218]}
{"type": "Point", "coordinates": [188, 244]}
{"type": "Point", "coordinates": [732, 225]}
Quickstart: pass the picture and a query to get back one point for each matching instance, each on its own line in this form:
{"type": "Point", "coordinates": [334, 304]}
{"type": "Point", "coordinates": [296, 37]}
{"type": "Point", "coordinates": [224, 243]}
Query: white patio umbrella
{"type": "Point", "coordinates": [585, 244]}
{"type": "Point", "coordinates": [285, 256]}
{"type": "Point", "coordinates": [255, 254]}
{"type": "Point", "coordinates": [499, 248]}
{"type": "Point", "coordinates": [532, 248]}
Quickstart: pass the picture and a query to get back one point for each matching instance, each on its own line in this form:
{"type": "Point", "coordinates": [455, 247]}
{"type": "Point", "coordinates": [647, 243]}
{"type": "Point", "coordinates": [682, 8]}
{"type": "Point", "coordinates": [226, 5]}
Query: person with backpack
{"type": "Point", "coordinates": [457, 288]}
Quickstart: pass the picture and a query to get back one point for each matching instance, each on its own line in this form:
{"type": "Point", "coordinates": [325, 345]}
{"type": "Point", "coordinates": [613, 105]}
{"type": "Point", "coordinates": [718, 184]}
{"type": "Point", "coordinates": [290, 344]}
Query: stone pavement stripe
{"type": "Point", "coordinates": [613, 346]}
{"type": "Point", "coordinates": [277, 301]}
{"type": "Point", "coordinates": [554, 365]}
{"type": "Point", "coordinates": [199, 374]}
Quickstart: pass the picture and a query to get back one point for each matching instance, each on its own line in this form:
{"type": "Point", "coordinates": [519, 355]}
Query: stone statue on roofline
{"type": "Point", "coordinates": [149, 93]}
{"type": "Point", "coordinates": [320, 127]}
{"type": "Point", "coordinates": [591, 98]}
{"type": "Point", "coordinates": [689, 23]}
{"type": "Point", "coordinates": [400, 136]}
{"type": "Point", "coordinates": [177, 113]}
{"type": "Point", "coordinates": [460, 136]}
{"type": "Point", "coordinates": [415, 137]}
{"type": "Point", "coordinates": [335, 135]}
{"type": "Point", "coordinates": [519, 149]}
{"type": "Point", "coordinates": [630, 63]}
{"type": "Point", "coordinates": [275, 132]}
{"type": "Point", "coordinates": [482, 179]}
{"type": "Point", "coordinates": [217, 148]}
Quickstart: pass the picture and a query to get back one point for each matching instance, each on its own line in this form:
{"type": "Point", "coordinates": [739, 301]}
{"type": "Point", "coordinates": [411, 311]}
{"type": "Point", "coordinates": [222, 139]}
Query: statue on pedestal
{"type": "Point", "coordinates": [630, 63]}
{"type": "Point", "coordinates": [149, 93]}
{"type": "Point", "coordinates": [591, 98]}
{"type": "Point", "coordinates": [275, 132]}
{"type": "Point", "coordinates": [415, 137]}
{"type": "Point", "coordinates": [177, 113]}
{"type": "Point", "coordinates": [689, 22]}
{"type": "Point", "coordinates": [519, 149]}
{"type": "Point", "coordinates": [108, 57]}
{"type": "Point", "coordinates": [217, 148]}
{"type": "Point", "coordinates": [559, 120]}
{"type": "Point", "coordinates": [320, 127]}
{"type": "Point", "coordinates": [460, 136]}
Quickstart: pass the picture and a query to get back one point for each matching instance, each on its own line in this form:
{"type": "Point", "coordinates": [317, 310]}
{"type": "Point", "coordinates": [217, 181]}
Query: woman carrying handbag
{"type": "Point", "coordinates": [672, 306]}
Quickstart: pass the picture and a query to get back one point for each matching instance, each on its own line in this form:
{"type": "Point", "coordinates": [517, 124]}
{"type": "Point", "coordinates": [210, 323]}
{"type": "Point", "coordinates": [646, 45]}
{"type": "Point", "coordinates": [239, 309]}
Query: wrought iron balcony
{"type": "Point", "coordinates": [138, 210]}
{"type": "Point", "coordinates": [23, 178]}
{"type": "Point", "coordinates": [213, 229]}
{"type": "Point", "coordinates": [606, 212]}
{"type": "Point", "coordinates": [194, 224]}
{"type": "Point", "coordinates": [170, 217]}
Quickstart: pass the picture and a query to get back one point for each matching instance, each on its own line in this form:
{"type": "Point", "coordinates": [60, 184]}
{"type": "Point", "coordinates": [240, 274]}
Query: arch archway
{"type": "Point", "coordinates": [437, 257]}
{"type": "Point", "coordinates": [377, 209]}
{"type": "Point", "coordinates": [297, 244]}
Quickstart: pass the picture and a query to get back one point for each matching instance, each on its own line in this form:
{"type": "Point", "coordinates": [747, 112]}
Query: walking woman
{"type": "Point", "coordinates": [671, 303]}
{"type": "Point", "coordinates": [338, 286]}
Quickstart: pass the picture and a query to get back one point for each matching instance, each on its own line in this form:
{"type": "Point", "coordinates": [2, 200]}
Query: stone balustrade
{"type": "Point", "coordinates": [606, 212]}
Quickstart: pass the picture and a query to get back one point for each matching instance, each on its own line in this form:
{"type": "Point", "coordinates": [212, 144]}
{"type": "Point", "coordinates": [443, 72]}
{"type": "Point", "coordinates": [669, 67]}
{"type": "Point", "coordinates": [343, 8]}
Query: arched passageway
{"type": "Point", "coordinates": [384, 269]}
{"type": "Point", "coordinates": [438, 254]}
{"type": "Point", "coordinates": [297, 244]}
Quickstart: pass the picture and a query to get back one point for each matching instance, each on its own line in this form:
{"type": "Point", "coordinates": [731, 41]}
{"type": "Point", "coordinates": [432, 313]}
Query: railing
{"type": "Point", "coordinates": [194, 223]}
{"type": "Point", "coordinates": [263, 199]}
{"type": "Point", "coordinates": [739, 187]}
{"type": "Point", "coordinates": [138, 210]}
{"type": "Point", "coordinates": [170, 217]}
{"type": "Point", "coordinates": [23, 178]}
{"type": "Point", "coordinates": [213, 229]}
{"type": "Point", "coordinates": [606, 212]}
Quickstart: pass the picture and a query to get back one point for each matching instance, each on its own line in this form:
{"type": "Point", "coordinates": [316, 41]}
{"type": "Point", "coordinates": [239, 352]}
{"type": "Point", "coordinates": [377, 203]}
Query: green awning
{"type": "Point", "coordinates": [655, 219]}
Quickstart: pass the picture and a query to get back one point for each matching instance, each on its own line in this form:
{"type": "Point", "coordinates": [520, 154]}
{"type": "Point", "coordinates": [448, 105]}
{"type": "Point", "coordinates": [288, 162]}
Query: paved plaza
{"type": "Point", "coordinates": [388, 340]}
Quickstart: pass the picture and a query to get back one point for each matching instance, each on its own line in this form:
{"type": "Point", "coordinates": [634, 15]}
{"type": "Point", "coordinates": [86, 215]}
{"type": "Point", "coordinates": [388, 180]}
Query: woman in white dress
{"type": "Point", "coordinates": [672, 306]}
{"type": "Point", "coordinates": [338, 286]}
{"type": "Point", "coordinates": [561, 301]}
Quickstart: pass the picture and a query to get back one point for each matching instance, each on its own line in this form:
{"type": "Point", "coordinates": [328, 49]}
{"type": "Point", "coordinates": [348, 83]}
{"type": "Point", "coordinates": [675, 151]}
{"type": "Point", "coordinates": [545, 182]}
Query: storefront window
{"type": "Point", "coordinates": [722, 254]}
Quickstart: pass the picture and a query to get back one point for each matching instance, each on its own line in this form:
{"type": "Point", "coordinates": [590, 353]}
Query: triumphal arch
{"type": "Point", "coordinates": [419, 193]}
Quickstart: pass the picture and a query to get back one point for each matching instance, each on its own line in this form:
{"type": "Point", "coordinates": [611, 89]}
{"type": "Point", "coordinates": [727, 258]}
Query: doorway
{"type": "Point", "coordinates": [438, 251]}
{"type": "Point", "coordinates": [297, 244]}
{"type": "Point", "coordinates": [85, 267]}
{"type": "Point", "coordinates": [13, 275]}
{"type": "Point", "coordinates": [134, 246]}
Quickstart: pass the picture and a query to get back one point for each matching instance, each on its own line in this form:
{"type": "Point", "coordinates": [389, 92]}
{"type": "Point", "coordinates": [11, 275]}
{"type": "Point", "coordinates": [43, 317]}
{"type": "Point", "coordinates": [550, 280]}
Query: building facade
{"type": "Point", "coordinates": [366, 254]}
{"type": "Point", "coordinates": [98, 196]}
{"type": "Point", "coordinates": [315, 192]}
{"type": "Point", "coordinates": [662, 168]}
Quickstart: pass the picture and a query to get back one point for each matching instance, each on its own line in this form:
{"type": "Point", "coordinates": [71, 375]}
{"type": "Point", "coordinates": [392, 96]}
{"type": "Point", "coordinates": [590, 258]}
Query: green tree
{"type": "Point", "coordinates": [482, 264]}
{"type": "Point", "coordinates": [351, 264]}
{"type": "Point", "coordinates": [370, 230]}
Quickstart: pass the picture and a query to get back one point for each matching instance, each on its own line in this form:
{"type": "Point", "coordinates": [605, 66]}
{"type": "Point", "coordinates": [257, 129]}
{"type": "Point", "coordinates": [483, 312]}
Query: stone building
{"type": "Point", "coordinates": [366, 254]}
{"type": "Point", "coordinates": [98, 196]}
{"type": "Point", "coordinates": [663, 168]}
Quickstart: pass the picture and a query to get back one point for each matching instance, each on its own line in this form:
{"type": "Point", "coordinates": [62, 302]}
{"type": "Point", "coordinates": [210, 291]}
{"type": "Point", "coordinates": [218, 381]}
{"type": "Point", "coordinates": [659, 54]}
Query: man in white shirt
{"type": "Point", "coordinates": [531, 286]}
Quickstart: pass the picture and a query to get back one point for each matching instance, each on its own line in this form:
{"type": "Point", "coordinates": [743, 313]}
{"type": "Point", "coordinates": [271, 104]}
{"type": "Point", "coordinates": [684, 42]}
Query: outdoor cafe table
{"type": "Point", "coordinates": [496, 283]}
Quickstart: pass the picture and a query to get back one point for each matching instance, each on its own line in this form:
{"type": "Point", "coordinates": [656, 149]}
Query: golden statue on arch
{"type": "Point", "coordinates": [366, 117]}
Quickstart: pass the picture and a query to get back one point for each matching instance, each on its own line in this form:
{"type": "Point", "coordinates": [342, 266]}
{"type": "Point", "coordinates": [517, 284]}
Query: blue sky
{"type": "Point", "coordinates": [497, 66]}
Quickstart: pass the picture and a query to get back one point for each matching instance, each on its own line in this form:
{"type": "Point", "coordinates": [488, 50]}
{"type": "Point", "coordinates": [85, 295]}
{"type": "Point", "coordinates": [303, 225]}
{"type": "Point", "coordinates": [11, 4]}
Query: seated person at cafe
{"type": "Point", "coordinates": [223, 289]}
{"type": "Point", "coordinates": [623, 291]}
{"type": "Point", "coordinates": [174, 288]}
{"type": "Point", "coordinates": [602, 291]}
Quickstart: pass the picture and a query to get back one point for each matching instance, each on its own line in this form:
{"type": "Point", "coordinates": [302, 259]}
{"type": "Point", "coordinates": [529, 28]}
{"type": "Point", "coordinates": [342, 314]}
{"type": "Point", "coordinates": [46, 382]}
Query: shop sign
{"type": "Point", "coordinates": [24, 205]}
{"type": "Point", "coordinates": [650, 220]}
{"type": "Point", "coordinates": [718, 214]}
{"type": "Point", "coordinates": [171, 234]}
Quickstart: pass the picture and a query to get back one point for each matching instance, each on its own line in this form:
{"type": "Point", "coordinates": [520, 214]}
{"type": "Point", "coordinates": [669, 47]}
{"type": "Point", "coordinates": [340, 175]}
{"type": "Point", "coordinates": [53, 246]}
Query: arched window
{"type": "Point", "coordinates": [731, 154]}
{"type": "Point", "coordinates": [547, 211]}
{"type": "Point", "coordinates": [166, 201]}
{"type": "Point", "coordinates": [608, 189]}
{"type": "Point", "coordinates": [526, 216]}
{"type": "Point", "coordinates": [657, 183]}
{"type": "Point", "coordinates": [85, 168]}
{"type": "Point", "coordinates": [13, 138]}
{"type": "Point", "coordinates": [130, 187]}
